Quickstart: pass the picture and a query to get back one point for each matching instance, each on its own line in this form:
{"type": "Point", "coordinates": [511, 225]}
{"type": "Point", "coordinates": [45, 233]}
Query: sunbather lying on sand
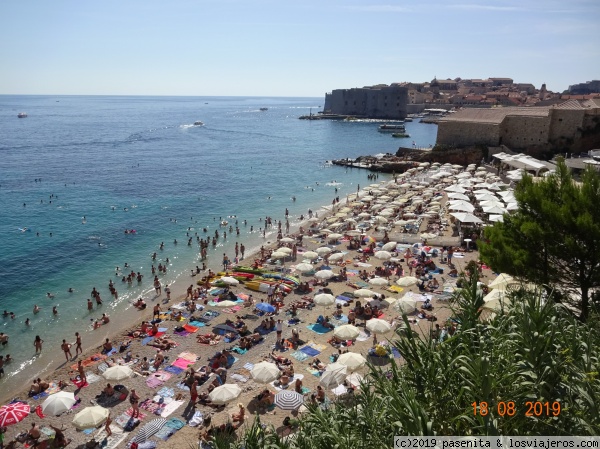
{"type": "Point", "coordinates": [209, 339]}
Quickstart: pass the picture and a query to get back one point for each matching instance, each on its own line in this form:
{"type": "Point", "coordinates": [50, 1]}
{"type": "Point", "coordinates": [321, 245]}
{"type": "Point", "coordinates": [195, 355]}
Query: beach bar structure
{"type": "Point", "coordinates": [521, 162]}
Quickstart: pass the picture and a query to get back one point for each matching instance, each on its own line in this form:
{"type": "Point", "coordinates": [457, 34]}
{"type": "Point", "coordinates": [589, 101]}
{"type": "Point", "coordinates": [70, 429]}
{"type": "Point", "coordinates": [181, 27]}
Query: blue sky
{"type": "Point", "coordinates": [289, 48]}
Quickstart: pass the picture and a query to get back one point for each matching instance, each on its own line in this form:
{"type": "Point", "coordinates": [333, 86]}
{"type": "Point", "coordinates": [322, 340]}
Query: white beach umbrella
{"type": "Point", "coordinates": [265, 372]}
{"type": "Point", "coordinates": [502, 281]}
{"type": "Point", "coordinates": [324, 299]}
{"type": "Point", "coordinates": [496, 203]}
{"type": "Point", "coordinates": [321, 251]}
{"type": "Point", "coordinates": [407, 281]}
{"type": "Point", "coordinates": [458, 196]}
{"type": "Point", "coordinates": [455, 188]}
{"type": "Point", "coordinates": [352, 360]}
{"type": "Point", "coordinates": [383, 255]}
{"type": "Point", "coordinates": [496, 218]}
{"type": "Point", "coordinates": [118, 372]}
{"type": "Point", "coordinates": [310, 255]}
{"type": "Point", "coordinates": [377, 326]}
{"type": "Point", "coordinates": [364, 215]}
{"type": "Point", "coordinates": [229, 280]}
{"type": "Point", "coordinates": [346, 332]}
{"type": "Point", "coordinates": [364, 293]}
{"type": "Point", "coordinates": [378, 281]}
{"type": "Point", "coordinates": [304, 267]}
{"type": "Point", "coordinates": [336, 256]}
{"type": "Point", "coordinates": [334, 375]}
{"type": "Point", "coordinates": [334, 236]}
{"type": "Point", "coordinates": [224, 393]}
{"type": "Point", "coordinates": [405, 305]}
{"type": "Point", "coordinates": [494, 210]}
{"type": "Point", "coordinates": [279, 255]}
{"type": "Point", "coordinates": [389, 246]}
{"type": "Point", "coordinates": [486, 197]}
{"type": "Point", "coordinates": [285, 250]}
{"type": "Point", "coordinates": [461, 206]}
{"type": "Point", "coordinates": [466, 217]}
{"type": "Point", "coordinates": [324, 274]}
{"type": "Point", "coordinates": [287, 240]}
{"type": "Point", "coordinates": [380, 219]}
{"type": "Point", "coordinates": [90, 417]}
{"type": "Point", "coordinates": [58, 403]}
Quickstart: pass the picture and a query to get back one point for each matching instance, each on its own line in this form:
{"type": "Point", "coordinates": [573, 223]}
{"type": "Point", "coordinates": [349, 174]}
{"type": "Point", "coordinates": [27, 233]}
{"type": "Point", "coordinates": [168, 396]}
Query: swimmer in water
{"type": "Point", "coordinates": [54, 311]}
{"type": "Point", "coordinates": [50, 295]}
{"type": "Point", "coordinates": [27, 322]}
{"type": "Point", "coordinates": [36, 309]}
{"type": "Point", "coordinates": [70, 290]}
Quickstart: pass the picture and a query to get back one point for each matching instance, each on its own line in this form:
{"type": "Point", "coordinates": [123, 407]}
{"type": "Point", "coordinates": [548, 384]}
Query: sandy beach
{"type": "Point", "coordinates": [175, 403]}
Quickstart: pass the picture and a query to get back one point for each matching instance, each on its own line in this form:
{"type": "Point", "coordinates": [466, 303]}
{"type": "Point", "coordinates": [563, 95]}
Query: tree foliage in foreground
{"type": "Point", "coordinates": [553, 238]}
{"type": "Point", "coordinates": [536, 351]}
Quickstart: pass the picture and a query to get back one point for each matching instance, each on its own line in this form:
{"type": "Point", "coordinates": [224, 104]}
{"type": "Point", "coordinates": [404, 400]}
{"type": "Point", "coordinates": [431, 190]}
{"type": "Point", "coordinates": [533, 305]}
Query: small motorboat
{"type": "Point", "coordinates": [264, 109]}
{"type": "Point", "coordinates": [198, 123]}
{"type": "Point", "coordinates": [22, 114]}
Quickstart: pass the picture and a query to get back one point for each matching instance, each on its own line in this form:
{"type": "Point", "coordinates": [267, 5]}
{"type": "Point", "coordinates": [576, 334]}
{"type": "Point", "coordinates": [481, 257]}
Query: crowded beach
{"type": "Point", "coordinates": [277, 332]}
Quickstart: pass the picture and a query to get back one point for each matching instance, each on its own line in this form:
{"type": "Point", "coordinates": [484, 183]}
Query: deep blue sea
{"type": "Point", "coordinates": [140, 163]}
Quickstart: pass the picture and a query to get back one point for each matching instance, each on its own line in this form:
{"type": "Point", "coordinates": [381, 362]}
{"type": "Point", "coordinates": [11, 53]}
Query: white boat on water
{"type": "Point", "coordinates": [22, 114]}
{"type": "Point", "coordinates": [392, 128]}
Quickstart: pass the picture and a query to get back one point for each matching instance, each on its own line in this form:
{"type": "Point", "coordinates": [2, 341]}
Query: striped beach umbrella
{"type": "Point", "coordinates": [288, 400]}
{"type": "Point", "coordinates": [148, 430]}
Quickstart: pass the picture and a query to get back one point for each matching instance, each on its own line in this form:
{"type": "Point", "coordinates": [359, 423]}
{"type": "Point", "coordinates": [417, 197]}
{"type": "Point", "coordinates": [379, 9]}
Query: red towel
{"type": "Point", "coordinates": [38, 411]}
{"type": "Point", "coordinates": [190, 328]}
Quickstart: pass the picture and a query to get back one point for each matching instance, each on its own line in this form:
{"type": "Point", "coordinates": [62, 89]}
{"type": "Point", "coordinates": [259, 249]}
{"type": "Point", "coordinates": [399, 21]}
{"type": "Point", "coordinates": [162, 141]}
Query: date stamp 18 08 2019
{"type": "Point", "coordinates": [511, 408]}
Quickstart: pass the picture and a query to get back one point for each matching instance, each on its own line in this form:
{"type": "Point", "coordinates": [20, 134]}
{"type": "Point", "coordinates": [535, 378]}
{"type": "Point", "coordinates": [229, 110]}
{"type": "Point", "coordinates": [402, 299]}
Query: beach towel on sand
{"type": "Point", "coordinates": [182, 363]}
{"type": "Point", "coordinates": [311, 352]}
{"type": "Point", "coordinates": [190, 328]}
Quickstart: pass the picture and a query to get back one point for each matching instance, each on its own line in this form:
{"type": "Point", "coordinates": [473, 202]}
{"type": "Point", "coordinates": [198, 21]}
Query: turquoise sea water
{"type": "Point", "coordinates": [140, 163]}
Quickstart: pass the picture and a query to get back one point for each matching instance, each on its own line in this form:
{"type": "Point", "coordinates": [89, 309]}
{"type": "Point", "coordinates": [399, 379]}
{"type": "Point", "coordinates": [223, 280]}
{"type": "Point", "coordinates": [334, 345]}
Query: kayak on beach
{"type": "Point", "coordinates": [263, 286]}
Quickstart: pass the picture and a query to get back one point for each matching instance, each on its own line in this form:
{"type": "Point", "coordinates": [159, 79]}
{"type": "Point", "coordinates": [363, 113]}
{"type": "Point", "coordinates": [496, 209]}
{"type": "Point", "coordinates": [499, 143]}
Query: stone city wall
{"type": "Point", "coordinates": [468, 133]}
{"type": "Point", "coordinates": [517, 131]}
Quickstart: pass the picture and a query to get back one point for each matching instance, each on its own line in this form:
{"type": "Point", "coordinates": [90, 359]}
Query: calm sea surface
{"type": "Point", "coordinates": [107, 164]}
